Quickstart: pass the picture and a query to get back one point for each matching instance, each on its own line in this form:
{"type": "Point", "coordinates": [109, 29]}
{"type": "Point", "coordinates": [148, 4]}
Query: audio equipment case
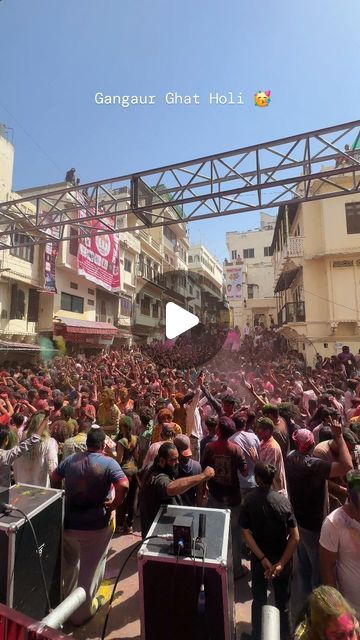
{"type": "Point", "coordinates": [21, 584]}
{"type": "Point", "coordinates": [170, 602]}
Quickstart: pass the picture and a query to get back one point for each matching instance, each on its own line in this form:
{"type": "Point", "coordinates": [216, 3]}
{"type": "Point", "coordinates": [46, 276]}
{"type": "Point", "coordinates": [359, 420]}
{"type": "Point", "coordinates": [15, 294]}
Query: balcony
{"type": "Point", "coordinates": [150, 240]}
{"type": "Point", "coordinates": [294, 248]}
{"type": "Point", "coordinates": [147, 273]}
{"type": "Point", "coordinates": [292, 312]}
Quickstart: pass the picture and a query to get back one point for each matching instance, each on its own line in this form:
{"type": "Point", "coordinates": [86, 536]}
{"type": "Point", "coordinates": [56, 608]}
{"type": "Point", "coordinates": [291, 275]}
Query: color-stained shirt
{"type": "Point", "coordinates": [340, 534]}
{"type": "Point", "coordinates": [89, 477]}
{"type": "Point", "coordinates": [227, 459]}
{"type": "Point", "coordinates": [270, 453]}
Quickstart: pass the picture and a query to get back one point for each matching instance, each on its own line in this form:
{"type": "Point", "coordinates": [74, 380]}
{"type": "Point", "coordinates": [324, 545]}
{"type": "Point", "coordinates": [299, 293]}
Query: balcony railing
{"type": "Point", "coordinates": [292, 312]}
{"type": "Point", "coordinates": [150, 240]}
{"type": "Point", "coordinates": [294, 248]}
{"type": "Point", "coordinates": [146, 272]}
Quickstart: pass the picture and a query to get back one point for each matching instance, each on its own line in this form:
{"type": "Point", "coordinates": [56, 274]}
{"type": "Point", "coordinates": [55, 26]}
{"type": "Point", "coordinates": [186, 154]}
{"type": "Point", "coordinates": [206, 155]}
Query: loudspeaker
{"type": "Point", "coordinates": [172, 604]}
{"type": "Point", "coordinates": [21, 584]}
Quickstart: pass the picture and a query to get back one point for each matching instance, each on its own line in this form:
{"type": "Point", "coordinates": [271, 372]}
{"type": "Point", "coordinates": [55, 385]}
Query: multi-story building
{"type": "Point", "coordinates": [76, 306]}
{"type": "Point", "coordinates": [250, 259]}
{"type": "Point", "coordinates": [209, 276]}
{"type": "Point", "coordinates": [316, 256]}
{"type": "Point", "coordinates": [161, 270]}
{"type": "Point", "coordinates": [20, 274]}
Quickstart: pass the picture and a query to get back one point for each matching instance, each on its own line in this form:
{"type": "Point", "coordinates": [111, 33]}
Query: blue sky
{"type": "Point", "coordinates": [55, 55]}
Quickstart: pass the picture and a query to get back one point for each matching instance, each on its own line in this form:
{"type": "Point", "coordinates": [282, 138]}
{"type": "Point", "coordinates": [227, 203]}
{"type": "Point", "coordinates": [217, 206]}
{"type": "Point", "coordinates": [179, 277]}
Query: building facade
{"type": "Point", "coordinates": [20, 273]}
{"type": "Point", "coordinates": [209, 277]}
{"type": "Point", "coordinates": [316, 258]}
{"type": "Point", "coordinates": [250, 261]}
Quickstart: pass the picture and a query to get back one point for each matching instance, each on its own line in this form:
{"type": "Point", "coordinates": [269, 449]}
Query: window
{"type": "Point", "coordinates": [74, 241]}
{"type": "Point", "coordinates": [72, 303]}
{"type": "Point", "coordinates": [197, 295]}
{"type": "Point", "coordinates": [90, 303]}
{"type": "Point", "coordinates": [73, 285]}
{"type": "Point", "coordinates": [101, 310]}
{"type": "Point", "coordinates": [155, 310]}
{"type": "Point", "coordinates": [234, 254]}
{"type": "Point", "coordinates": [91, 292]}
{"type": "Point", "coordinates": [190, 258]}
{"type": "Point", "coordinates": [145, 306]}
{"type": "Point", "coordinates": [127, 265]}
{"type": "Point", "coordinates": [125, 306]}
{"type": "Point", "coordinates": [33, 305]}
{"type": "Point", "coordinates": [190, 289]}
{"type": "Point", "coordinates": [249, 253]}
{"type": "Point", "coordinates": [17, 304]}
{"type": "Point", "coordinates": [267, 252]}
{"type": "Point", "coordinates": [25, 252]}
{"type": "Point", "coordinates": [353, 217]}
{"type": "Point", "coordinates": [342, 263]}
{"type": "Point", "coordinates": [250, 291]}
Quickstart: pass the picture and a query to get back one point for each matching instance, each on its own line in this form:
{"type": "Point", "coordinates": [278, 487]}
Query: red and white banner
{"type": "Point", "coordinates": [98, 256]}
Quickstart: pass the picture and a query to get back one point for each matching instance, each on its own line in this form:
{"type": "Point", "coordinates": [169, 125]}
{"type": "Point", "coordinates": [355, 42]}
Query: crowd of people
{"type": "Point", "coordinates": [254, 430]}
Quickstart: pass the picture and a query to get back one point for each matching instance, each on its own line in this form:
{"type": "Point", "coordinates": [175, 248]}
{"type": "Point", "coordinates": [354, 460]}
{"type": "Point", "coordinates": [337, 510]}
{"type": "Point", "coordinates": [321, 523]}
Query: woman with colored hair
{"type": "Point", "coordinates": [328, 617]}
{"type": "Point", "coordinates": [164, 416]}
{"type": "Point", "coordinates": [36, 465]}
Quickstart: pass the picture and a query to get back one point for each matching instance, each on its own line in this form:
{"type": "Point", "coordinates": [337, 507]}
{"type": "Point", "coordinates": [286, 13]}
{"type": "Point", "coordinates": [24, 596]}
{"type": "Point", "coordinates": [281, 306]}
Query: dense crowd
{"type": "Point", "coordinates": [253, 429]}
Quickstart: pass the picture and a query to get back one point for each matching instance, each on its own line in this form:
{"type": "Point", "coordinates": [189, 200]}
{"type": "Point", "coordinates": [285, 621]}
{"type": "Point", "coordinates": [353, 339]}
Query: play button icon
{"type": "Point", "coordinates": [178, 320]}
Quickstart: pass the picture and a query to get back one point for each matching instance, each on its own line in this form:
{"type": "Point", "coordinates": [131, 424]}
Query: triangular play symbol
{"type": "Point", "coordinates": [178, 320]}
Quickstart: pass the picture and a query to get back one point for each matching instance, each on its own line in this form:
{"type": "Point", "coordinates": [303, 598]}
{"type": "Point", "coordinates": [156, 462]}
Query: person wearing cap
{"type": "Point", "coordinates": [340, 545]}
{"type": "Point", "coordinates": [328, 450]}
{"type": "Point", "coordinates": [95, 486]}
{"type": "Point", "coordinates": [306, 481]}
{"type": "Point", "coordinates": [187, 469]}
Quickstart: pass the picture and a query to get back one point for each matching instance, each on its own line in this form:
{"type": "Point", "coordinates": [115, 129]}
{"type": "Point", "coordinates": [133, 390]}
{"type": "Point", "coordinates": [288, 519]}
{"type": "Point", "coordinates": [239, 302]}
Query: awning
{"type": "Point", "coordinates": [71, 326]}
{"type": "Point", "coordinates": [18, 346]}
{"type": "Point", "coordinates": [286, 279]}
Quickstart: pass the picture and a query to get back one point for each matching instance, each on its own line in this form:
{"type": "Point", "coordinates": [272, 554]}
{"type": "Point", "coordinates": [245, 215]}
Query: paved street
{"type": "Point", "coordinates": [124, 621]}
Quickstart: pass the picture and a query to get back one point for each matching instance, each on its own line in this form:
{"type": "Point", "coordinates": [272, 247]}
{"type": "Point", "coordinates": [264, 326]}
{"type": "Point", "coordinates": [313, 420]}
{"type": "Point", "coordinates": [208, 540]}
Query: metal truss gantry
{"type": "Point", "coordinates": [299, 168]}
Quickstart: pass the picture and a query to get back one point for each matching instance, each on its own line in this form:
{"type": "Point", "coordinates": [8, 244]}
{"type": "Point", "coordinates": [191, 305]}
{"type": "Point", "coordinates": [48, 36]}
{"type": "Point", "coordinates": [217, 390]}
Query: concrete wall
{"type": "Point", "coordinates": [6, 166]}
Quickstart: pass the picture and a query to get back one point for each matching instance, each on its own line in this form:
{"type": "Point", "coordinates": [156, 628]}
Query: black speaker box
{"type": "Point", "coordinates": [171, 605]}
{"type": "Point", "coordinates": [21, 584]}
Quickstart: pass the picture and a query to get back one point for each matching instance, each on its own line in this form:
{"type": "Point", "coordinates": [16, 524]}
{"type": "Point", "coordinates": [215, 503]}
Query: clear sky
{"type": "Point", "coordinates": [56, 54]}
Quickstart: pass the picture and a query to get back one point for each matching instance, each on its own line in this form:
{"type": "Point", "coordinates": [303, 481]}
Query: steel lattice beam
{"type": "Point", "coordinates": [263, 176]}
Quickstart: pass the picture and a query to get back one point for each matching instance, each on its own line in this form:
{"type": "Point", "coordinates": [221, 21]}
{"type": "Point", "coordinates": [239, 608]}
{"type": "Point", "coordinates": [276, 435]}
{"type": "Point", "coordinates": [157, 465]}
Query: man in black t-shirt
{"type": "Point", "coordinates": [160, 486]}
{"type": "Point", "coordinates": [270, 531]}
{"type": "Point", "coordinates": [188, 468]}
{"type": "Point", "coordinates": [306, 481]}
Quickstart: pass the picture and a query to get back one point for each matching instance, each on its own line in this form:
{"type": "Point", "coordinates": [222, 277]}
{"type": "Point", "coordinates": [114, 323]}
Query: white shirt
{"type": "Point", "coordinates": [193, 418]}
{"type": "Point", "coordinates": [36, 466]}
{"type": "Point", "coordinates": [341, 534]}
